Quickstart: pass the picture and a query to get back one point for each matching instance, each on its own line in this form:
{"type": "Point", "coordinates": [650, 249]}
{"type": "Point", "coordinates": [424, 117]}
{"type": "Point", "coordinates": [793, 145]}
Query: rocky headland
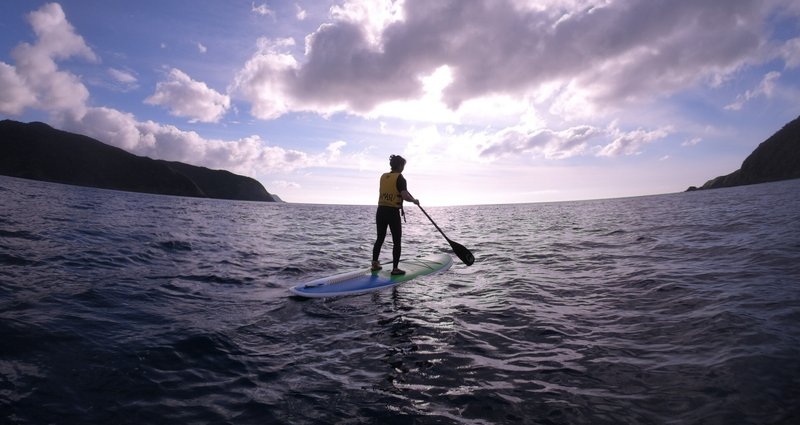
{"type": "Point", "coordinates": [777, 158]}
{"type": "Point", "coordinates": [39, 152]}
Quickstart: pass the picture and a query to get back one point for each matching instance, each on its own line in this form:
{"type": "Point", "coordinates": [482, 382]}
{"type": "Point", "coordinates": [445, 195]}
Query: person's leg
{"type": "Point", "coordinates": [396, 227]}
{"type": "Point", "coordinates": [381, 223]}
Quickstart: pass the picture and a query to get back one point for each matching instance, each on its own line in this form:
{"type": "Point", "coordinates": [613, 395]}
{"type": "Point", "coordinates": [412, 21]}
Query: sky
{"type": "Point", "coordinates": [490, 101]}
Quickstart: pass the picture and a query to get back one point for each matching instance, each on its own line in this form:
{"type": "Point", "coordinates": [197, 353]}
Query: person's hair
{"type": "Point", "coordinates": [396, 162]}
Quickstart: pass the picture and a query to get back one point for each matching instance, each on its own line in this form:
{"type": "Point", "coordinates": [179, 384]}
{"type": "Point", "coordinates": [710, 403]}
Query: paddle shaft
{"type": "Point", "coordinates": [433, 222]}
{"type": "Point", "coordinates": [462, 252]}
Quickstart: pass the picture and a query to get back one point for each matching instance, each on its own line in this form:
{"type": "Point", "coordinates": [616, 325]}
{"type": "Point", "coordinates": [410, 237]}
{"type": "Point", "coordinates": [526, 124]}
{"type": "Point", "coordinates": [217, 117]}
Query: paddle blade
{"type": "Point", "coordinates": [463, 253]}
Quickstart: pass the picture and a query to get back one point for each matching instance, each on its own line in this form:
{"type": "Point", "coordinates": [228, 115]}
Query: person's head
{"type": "Point", "coordinates": [397, 163]}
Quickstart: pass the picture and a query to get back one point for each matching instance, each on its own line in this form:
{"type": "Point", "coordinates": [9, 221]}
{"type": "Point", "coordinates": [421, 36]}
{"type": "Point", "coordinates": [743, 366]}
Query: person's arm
{"type": "Point", "coordinates": [403, 188]}
{"type": "Point", "coordinates": [407, 197]}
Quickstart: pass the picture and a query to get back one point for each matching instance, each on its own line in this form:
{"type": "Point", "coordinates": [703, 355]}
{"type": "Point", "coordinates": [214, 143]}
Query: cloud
{"type": "Point", "coordinates": [344, 70]}
{"type": "Point", "coordinates": [201, 48]}
{"type": "Point", "coordinates": [373, 17]}
{"type": "Point", "coordinates": [15, 96]}
{"type": "Point", "coordinates": [540, 142]}
{"type": "Point", "coordinates": [334, 150]}
{"type": "Point", "coordinates": [611, 53]}
{"type": "Point", "coordinates": [56, 36]}
{"type": "Point", "coordinates": [121, 80]}
{"type": "Point", "coordinates": [791, 53]}
{"type": "Point", "coordinates": [764, 88]}
{"type": "Point", "coordinates": [262, 80]}
{"type": "Point", "coordinates": [575, 141]}
{"type": "Point", "coordinates": [249, 155]}
{"type": "Point", "coordinates": [262, 10]}
{"type": "Point", "coordinates": [111, 126]}
{"type": "Point", "coordinates": [283, 184]}
{"type": "Point", "coordinates": [35, 81]}
{"type": "Point", "coordinates": [186, 97]}
{"type": "Point", "coordinates": [692, 142]}
{"type": "Point", "coordinates": [121, 76]}
{"type": "Point", "coordinates": [631, 142]}
{"type": "Point", "coordinates": [301, 13]}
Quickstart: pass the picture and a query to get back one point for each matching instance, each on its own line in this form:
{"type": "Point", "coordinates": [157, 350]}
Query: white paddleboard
{"type": "Point", "coordinates": [365, 280]}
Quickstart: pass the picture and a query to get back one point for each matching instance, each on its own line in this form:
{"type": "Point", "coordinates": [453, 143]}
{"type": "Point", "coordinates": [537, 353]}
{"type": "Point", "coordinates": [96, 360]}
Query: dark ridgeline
{"type": "Point", "coordinates": [777, 158]}
{"type": "Point", "coordinates": [39, 152]}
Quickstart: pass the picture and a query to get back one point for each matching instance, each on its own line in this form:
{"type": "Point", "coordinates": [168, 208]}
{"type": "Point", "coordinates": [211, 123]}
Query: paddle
{"type": "Point", "coordinates": [463, 253]}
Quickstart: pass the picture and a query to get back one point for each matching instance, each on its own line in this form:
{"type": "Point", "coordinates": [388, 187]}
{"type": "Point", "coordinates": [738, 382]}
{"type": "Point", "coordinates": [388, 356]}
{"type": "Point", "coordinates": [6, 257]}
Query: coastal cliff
{"type": "Point", "coordinates": [777, 158]}
{"type": "Point", "coordinates": [39, 152]}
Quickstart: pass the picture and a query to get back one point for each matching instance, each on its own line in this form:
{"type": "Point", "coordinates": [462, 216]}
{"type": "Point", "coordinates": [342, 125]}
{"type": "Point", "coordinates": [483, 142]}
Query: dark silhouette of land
{"type": "Point", "coordinates": [39, 152]}
{"type": "Point", "coordinates": [777, 158]}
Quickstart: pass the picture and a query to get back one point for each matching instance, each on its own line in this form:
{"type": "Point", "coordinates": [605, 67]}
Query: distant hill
{"type": "Point", "coordinates": [777, 158]}
{"type": "Point", "coordinates": [39, 152]}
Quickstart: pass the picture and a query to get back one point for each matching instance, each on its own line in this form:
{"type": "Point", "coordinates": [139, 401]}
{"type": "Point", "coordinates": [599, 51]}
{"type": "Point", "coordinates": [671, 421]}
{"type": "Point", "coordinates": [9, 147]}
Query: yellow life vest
{"type": "Point", "coordinates": [389, 195]}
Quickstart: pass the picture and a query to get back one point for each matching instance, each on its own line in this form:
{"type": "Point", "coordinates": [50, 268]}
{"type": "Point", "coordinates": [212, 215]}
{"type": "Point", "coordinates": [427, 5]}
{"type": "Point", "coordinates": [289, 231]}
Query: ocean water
{"type": "Point", "coordinates": [143, 309]}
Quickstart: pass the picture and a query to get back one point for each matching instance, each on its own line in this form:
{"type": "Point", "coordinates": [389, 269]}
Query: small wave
{"type": "Point", "coordinates": [13, 260]}
{"type": "Point", "coordinates": [19, 234]}
{"type": "Point", "coordinates": [212, 278]}
{"type": "Point", "coordinates": [175, 246]}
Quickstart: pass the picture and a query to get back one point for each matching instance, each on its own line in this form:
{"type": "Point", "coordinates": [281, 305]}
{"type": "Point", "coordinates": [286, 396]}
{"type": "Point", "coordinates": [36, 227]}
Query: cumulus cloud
{"type": "Point", "coordinates": [249, 155]}
{"type": "Point", "coordinates": [373, 17]}
{"type": "Point", "coordinates": [113, 127]}
{"type": "Point", "coordinates": [56, 36]}
{"type": "Point", "coordinates": [611, 52]}
{"type": "Point", "coordinates": [15, 95]}
{"type": "Point", "coordinates": [186, 97]}
{"type": "Point", "coordinates": [262, 80]}
{"type": "Point", "coordinates": [36, 81]}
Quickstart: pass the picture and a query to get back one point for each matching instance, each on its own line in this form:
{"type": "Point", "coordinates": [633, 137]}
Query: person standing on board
{"type": "Point", "coordinates": [393, 190]}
